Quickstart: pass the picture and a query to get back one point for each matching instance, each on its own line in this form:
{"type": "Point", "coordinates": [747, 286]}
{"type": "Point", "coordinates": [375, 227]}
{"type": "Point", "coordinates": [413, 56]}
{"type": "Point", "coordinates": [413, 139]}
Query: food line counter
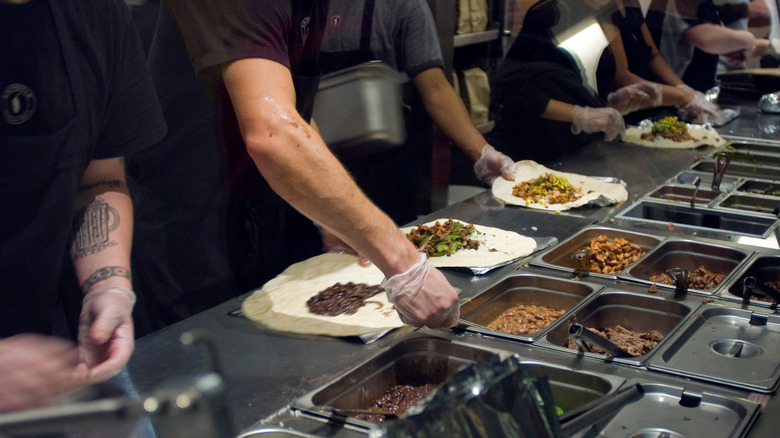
{"type": "Point", "coordinates": [265, 371]}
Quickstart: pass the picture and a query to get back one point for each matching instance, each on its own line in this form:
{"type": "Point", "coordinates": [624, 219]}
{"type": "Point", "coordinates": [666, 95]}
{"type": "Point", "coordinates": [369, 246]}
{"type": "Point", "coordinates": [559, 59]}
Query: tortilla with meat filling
{"type": "Point", "coordinates": [496, 246]}
{"type": "Point", "coordinates": [281, 303]}
{"type": "Point", "coordinates": [595, 192]}
{"type": "Point", "coordinates": [678, 135]}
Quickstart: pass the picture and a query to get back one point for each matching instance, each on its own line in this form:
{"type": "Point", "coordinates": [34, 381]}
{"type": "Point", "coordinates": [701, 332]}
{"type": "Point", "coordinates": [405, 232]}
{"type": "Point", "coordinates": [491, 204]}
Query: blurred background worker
{"type": "Point", "coordinates": [260, 64]}
{"type": "Point", "coordinates": [402, 34]}
{"type": "Point", "coordinates": [70, 112]}
{"type": "Point", "coordinates": [691, 36]}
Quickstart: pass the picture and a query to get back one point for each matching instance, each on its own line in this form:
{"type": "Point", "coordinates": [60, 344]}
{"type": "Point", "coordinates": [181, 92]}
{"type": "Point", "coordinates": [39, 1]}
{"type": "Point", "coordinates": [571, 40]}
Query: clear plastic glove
{"type": "Point", "coordinates": [106, 331]}
{"type": "Point", "coordinates": [635, 97]}
{"type": "Point", "coordinates": [331, 243]}
{"type": "Point", "coordinates": [700, 110]}
{"type": "Point", "coordinates": [607, 120]}
{"type": "Point", "coordinates": [37, 370]}
{"type": "Point", "coordinates": [493, 164]}
{"type": "Point", "coordinates": [422, 296]}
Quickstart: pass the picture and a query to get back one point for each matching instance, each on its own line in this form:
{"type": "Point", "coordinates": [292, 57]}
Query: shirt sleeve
{"type": "Point", "coordinates": [133, 117]}
{"type": "Point", "coordinates": [220, 31]}
{"type": "Point", "coordinates": [417, 36]}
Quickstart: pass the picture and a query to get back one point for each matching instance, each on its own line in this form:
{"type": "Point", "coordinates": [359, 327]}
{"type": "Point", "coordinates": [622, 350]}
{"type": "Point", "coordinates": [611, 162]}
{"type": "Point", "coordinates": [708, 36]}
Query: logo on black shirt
{"type": "Point", "coordinates": [305, 29]}
{"type": "Point", "coordinates": [18, 103]}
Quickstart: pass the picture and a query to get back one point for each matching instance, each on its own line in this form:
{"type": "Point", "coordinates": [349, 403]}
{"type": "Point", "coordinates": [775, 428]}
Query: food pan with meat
{"type": "Point", "coordinates": [687, 266]}
{"type": "Point", "coordinates": [762, 273]}
{"type": "Point", "coordinates": [636, 323]}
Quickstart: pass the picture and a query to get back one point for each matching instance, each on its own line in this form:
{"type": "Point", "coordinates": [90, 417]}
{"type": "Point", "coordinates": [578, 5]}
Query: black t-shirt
{"type": "Point", "coordinates": [97, 71]}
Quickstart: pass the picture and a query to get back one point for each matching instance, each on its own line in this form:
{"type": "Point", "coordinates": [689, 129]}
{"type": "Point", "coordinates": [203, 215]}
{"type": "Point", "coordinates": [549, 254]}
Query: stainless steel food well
{"type": "Point", "coordinates": [415, 360]}
{"type": "Point", "coordinates": [633, 311]}
{"type": "Point", "coordinates": [561, 256]}
{"type": "Point", "coordinates": [727, 344]}
{"type": "Point", "coordinates": [713, 221]}
{"type": "Point", "coordinates": [520, 289]}
{"type": "Point", "coordinates": [670, 411]}
{"type": "Point", "coordinates": [689, 255]}
{"type": "Point", "coordinates": [687, 177]}
{"type": "Point", "coordinates": [683, 194]}
{"type": "Point", "coordinates": [760, 187]}
{"type": "Point", "coordinates": [765, 268]}
{"type": "Point", "coordinates": [768, 205]}
{"type": "Point", "coordinates": [740, 169]}
{"type": "Point", "coordinates": [753, 145]}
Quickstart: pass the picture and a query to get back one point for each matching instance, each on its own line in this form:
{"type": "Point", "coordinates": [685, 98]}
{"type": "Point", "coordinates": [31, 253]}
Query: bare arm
{"type": "Point", "coordinates": [101, 257]}
{"type": "Point", "coordinates": [448, 111]}
{"type": "Point", "coordinates": [558, 111]}
{"type": "Point", "coordinates": [719, 40]}
{"type": "Point", "coordinates": [296, 163]}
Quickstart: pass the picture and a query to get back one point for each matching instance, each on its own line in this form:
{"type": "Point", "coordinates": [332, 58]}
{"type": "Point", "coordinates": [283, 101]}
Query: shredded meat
{"type": "Point", "coordinates": [635, 343]}
{"type": "Point", "coordinates": [701, 278]}
{"type": "Point", "coordinates": [773, 284]}
{"type": "Point", "coordinates": [611, 257]}
{"type": "Point", "coordinates": [342, 298]}
{"type": "Point", "coordinates": [397, 399]}
{"type": "Point", "coordinates": [525, 318]}
{"type": "Point", "coordinates": [547, 189]}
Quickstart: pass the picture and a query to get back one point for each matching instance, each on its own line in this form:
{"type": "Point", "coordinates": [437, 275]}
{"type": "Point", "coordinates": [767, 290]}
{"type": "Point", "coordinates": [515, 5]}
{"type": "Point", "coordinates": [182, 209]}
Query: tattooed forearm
{"type": "Point", "coordinates": [104, 273]}
{"type": "Point", "coordinates": [109, 184]}
{"type": "Point", "coordinates": [92, 231]}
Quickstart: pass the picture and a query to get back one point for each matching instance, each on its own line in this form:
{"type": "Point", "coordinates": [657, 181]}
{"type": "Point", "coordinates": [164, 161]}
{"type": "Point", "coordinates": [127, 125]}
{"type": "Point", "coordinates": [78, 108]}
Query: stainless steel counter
{"type": "Point", "coordinates": [267, 370]}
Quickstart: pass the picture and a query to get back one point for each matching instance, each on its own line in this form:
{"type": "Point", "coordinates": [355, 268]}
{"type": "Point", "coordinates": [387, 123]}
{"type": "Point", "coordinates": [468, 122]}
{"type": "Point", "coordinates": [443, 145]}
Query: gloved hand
{"type": "Point", "coordinates": [36, 370]}
{"type": "Point", "coordinates": [106, 331]}
{"type": "Point", "coordinates": [607, 120]}
{"type": "Point", "coordinates": [422, 296]}
{"type": "Point", "coordinates": [493, 164]}
{"type": "Point", "coordinates": [700, 110]}
{"type": "Point", "coordinates": [640, 95]}
{"type": "Point", "coordinates": [332, 243]}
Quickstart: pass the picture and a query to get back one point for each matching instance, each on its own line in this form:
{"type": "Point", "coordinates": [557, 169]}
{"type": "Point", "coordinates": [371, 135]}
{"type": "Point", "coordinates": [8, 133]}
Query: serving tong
{"type": "Point", "coordinates": [581, 261]}
{"type": "Point", "coordinates": [722, 161]}
{"type": "Point", "coordinates": [754, 286]}
{"type": "Point", "coordinates": [596, 410]}
{"type": "Point", "coordinates": [680, 277]}
{"type": "Point", "coordinates": [580, 335]}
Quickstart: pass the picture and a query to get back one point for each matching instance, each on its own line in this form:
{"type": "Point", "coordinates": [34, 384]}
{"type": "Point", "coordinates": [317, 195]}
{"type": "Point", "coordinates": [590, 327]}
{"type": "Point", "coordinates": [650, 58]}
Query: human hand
{"type": "Point", "coordinates": [607, 120]}
{"type": "Point", "coordinates": [332, 243]}
{"type": "Point", "coordinates": [106, 331]}
{"type": "Point", "coordinates": [493, 164]}
{"type": "Point", "coordinates": [422, 296]}
{"type": "Point", "coordinates": [636, 96]}
{"type": "Point", "coordinates": [700, 110]}
{"type": "Point", "coordinates": [37, 370]}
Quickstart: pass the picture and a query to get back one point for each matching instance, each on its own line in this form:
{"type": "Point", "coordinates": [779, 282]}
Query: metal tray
{"type": "Point", "coordinates": [740, 169]}
{"type": "Point", "coordinates": [560, 256]}
{"type": "Point", "coordinates": [661, 311]}
{"type": "Point", "coordinates": [764, 267]}
{"type": "Point", "coordinates": [688, 255]}
{"type": "Point", "coordinates": [752, 203]}
{"type": "Point", "coordinates": [725, 344]}
{"type": "Point", "coordinates": [515, 290]}
{"type": "Point", "coordinates": [759, 187]}
{"type": "Point", "coordinates": [672, 412]}
{"type": "Point", "coordinates": [415, 360]}
{"type": "Point", "coordinates": [716, 221]}
{"type": "Point", "coordinates": [755, 146]}
{"type": "Point", "coordinates": [686, 177]}
{"type": "Point", "coordinates": [672, 193]}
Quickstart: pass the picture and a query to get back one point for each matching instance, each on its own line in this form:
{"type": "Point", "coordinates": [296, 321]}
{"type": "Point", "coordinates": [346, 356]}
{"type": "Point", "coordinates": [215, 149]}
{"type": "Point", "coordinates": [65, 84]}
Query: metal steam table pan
{"type": "Point", "coordinates": [688, 255]}
{"type": "Point", "coordinates": [726, 344]}
{"type": "Point", "coordinates": [687, 176]}
{"type": "Point", "coordinates": [667, 411]}
{"type": "Point", "coordinates": [763, 267]}
{"type": "Point", "coordinates": [638, 312]}
{"type": "Point", "coordinates": [679, 193]}
{"type": "Point", "coordinates": [526, 289]}
{"type": "Point", "coordinates": [760, 187]}
{"type": "Point", "coordinates": [740, 169]}
{"type": "Point", "coordinates": [562, 257]}
{"type": "Point", "coordinates": [768, 205]}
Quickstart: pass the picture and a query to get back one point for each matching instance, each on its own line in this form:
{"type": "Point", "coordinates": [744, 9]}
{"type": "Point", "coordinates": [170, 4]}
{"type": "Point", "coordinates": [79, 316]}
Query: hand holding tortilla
{"type": "Point", "coordinates": [451, 243]}
{"type": "Point", "coordinates": [671, 133]}
{"type": "Point", "coordinates": [535, 186]}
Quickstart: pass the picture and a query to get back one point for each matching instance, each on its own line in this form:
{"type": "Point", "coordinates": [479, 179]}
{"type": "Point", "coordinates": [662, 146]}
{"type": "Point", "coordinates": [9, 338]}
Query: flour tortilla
{"type": "Point", "coordinates": [595, 192]}
{"type": "Point", "coordinates": [505, 245]}
{"type": "Point", "coordinates": [702, 136]}
{"type": "Point", "coordinates": [281, 303]}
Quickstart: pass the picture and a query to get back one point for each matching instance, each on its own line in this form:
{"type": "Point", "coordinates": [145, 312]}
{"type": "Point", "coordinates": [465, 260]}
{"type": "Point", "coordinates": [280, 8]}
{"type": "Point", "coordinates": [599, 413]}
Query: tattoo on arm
{"type": "Point", "coordinates": [94, 224]}
{"type": "Point", "coordinates": [104, 273]}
